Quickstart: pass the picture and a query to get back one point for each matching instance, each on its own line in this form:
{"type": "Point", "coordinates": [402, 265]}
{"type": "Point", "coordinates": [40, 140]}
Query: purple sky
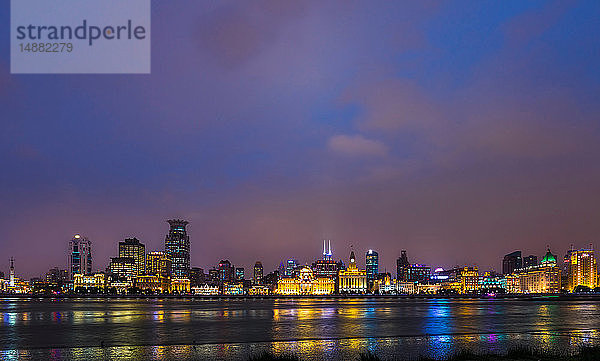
{"type": "Point", "coordinates": [459, 131]}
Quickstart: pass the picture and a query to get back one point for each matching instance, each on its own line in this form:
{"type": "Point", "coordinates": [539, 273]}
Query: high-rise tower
{"type": "Point", "coordinates": [177, 248]}
{"type": "Point", "coordinates": [258, 273]}
{"type": "Point", "coordinates": [11, 281]}
{"type": "Point", "coordinates": [80, 256]}
{"type": "Point", "coordinates": [131, 247]}
{"type": "Point", "coordinates": [372, 262]}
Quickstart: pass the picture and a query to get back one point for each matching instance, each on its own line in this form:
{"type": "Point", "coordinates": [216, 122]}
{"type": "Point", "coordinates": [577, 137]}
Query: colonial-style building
{"type": "Point", "coordinates": [352, 280]}
{"type": "Point", "coordinates": [544, 278]}
{"type": "Point", "coordinates": [206, 290]}
{"type": "Point", "coordinates": [153, 283]}
{"type": "Point", "coordinates": [94, 281]}
{"type": "Point", "coordinates": [305, 283]}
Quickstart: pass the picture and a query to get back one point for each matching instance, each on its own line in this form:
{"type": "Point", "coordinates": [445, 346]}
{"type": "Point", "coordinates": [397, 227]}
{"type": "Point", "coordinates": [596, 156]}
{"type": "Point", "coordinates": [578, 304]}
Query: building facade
{"type": "Point", "coordinates": [157, 263]}
{"type": "Point", "coordinates": [257, 279]}
{"type": "Point", "coordinates": [511, 262]}
{"type": "Point", "coordinates": [304, 282]}
{"type": "Point", "coordinates": [352, 280]}
{"type": "Point", "coordinates": [96, 281]}
{"type": "Point", "coordinates": [543, 278]}
{"type": "Point", "coordinates": [80, 256]}
{"type": "Point", "coordinates": [583, 270]}
{"type": "Point", "coordinates": [177, 248]}
{"type": "Point", "coordinates": [123, 267]}
{"type": "Point", "coordinates": [132, 248]}
{"type": "Point", "coordinates": [372, 267]}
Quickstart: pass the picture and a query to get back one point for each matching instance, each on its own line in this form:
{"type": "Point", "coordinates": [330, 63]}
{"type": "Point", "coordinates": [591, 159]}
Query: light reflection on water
{"type": "Point", "coordinates": [314, 329]}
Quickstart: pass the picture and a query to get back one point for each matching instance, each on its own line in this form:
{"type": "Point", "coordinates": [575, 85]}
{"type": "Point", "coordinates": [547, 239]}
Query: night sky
{"type": "Point", "coordinates": [459, 131]}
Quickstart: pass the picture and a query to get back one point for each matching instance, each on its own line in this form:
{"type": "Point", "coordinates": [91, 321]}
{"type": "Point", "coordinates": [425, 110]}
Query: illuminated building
{"type": "Point", "coordinates": [226, 272]}
{"type": "Point", "coordinates": [372, 267]}
{"type": "Point", "coordinates": [57, 276]}
{"type": "Point", "coordinates": [544, 278]}
{"type": "Point", "coordinates": [530, 261]}
{"type": "Point", "coordinates": [305, 283]}
{"type": "Point", "coordinates": [123, 267]}
{"type": "Point", "coordinates": [233, 289]}
{"type": "Point", "coordinates": [513, 283]}
{"type": "Point", "coordinates": [205, 290]}
{"type": "Point", "coordinates": [11, 281]}
{"type": "Point", "coordinates": [239, 273]}
{"type": "Point", "coordinates": [258, 290]}
{"type": "Point", "coordinates": [177, 248]}
{"type": "Point", "coordinates": [401, 264]}
{"type": "Point", "coordinates": [352, 280]}
{"type": "Point", "coordinates": [384, 284]}
{"type": "Point", "coordinates": [96, 281]}
{"type": "Point", "coordinates": [406, 288]}
{"type": "Point", "coordinates": [80, 256]}
{"type": "Point", "coordinates": [326, 267]}
{"type": "Point", "coordinates": [157, 263]}
{"type": "Point", "coordinates": [469, 279]}
{"type": "Point", "coordinates": [290, 266]}
{"type": "Point", "coordinates": [132, 248]}
{"type": "Point", "coordinates": [583, 270]}
{"type": "Point", "coordinates": [492, 283]}
{"type": "Point", "coordinates": [196, 277]}
{"type": "Point", "coordinates": [462, 280]}
{"type": "Point", "coordinates": [511, 262]}
{"type": "Point", "coordinates": [120, 287]}
{"type": "Point", "coordinates": [180, 285]}
{"type": "Point", "coordinates": [406, 272]}
{"type": "Point", "coordinates": [155, 283]}
{"type": "Point", "coordinates": [213, 277]}
{"type": "Point", "coordinates": [428, 289]}
{"type": "Point", "coordinates": [258, 273]}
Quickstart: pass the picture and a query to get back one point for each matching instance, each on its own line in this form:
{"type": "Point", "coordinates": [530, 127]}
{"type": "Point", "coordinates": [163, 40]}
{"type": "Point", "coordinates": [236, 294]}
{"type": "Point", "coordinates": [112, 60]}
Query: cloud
{"type": "Point", "coordinates": [356, 145]}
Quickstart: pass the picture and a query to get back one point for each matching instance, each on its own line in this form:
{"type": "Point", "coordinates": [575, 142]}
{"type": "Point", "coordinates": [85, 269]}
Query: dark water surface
{"type": "Point", "coordinates": [314, 329]}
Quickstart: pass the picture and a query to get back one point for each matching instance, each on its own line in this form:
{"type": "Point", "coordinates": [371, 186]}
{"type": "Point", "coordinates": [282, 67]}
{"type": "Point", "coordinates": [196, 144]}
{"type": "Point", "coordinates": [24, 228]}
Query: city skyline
{"type": "Point", "coordinates": [326, 254]}
{"type": "Point", "coordinates": [436, 127]}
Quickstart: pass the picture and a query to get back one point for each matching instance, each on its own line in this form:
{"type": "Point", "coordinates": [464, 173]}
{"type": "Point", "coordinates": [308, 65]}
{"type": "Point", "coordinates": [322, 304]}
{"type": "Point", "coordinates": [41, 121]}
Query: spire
{"type": "Point", "coordinates": [329, 253]}
{"type": "Point", "coordinates": [324, 252]}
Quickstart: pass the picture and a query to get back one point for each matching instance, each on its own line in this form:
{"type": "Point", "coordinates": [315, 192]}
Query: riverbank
{"type": "Point", "coordinates": [533, 297]}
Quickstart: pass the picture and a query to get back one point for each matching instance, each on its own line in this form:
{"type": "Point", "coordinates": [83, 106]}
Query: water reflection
{"type": "Point", "coordinates": [316, 329]}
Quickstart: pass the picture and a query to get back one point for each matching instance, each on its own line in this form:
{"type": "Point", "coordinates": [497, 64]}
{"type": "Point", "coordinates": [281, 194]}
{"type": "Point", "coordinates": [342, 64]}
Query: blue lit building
{"type": "Point", "coordinates": [177, 248]}
{"type": "Point", "coordinates": [372, 262]}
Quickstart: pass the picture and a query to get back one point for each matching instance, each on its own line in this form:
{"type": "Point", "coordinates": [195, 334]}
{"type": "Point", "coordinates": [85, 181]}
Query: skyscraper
{"type": "Point", "coordinates": [239, 273]}
{"type": "Point", "coordinates": [290, 266]}
{"type": "Point", "coordinates": [226, 271]}
{"type": "Point", "coordinates": [157, 263]}
{"type": "Point", "coordinates": [80, 256]}
{"type": "Point", "coordinates": [11, 281]}
{"type": "Point", "coordinates": [177, 248]}
{"type": "Point", "coordinates": [530, 261]}
{"type": "Point", "coordinates": [511, 262]}
{"type": "Point", "coordinates": [401, 264]}
{"type": "Point", "coordinates": [406, 272]}
{"type": "Point", "coordinates": [583, 269]}
{"type": "Point", "coordinates": [258, 273]}
{"type": "Point", "coordinates": [372, 263]}
{"type": "Point", "coordinates": [132, 248]}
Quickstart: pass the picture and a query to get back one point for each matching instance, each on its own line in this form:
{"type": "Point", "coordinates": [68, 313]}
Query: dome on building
{"type": "Point", "coordinates": [549, 259]}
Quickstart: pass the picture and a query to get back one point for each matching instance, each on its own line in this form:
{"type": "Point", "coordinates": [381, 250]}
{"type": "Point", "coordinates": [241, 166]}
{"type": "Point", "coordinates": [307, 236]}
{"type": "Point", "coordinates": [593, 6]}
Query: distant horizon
{"type": "Point", "coordinates": [249, 267]}
{"type": "Point", "coordinates": [456, 131]}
